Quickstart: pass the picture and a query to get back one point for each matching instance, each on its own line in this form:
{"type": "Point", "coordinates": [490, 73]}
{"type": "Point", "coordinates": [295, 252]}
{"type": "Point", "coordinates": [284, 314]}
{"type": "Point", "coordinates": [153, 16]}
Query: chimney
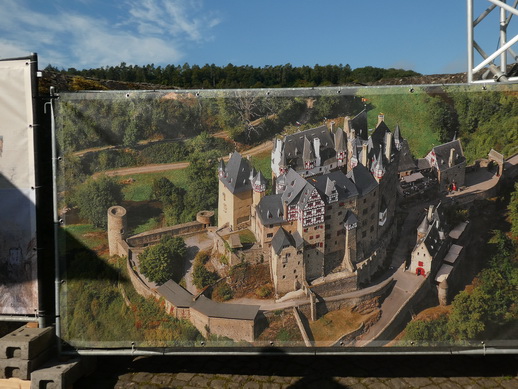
{"type": "Point", "coordinates": [381, 118]}
{"type": "Point", "coordinates": [430, 213]}
{"type": "Point", "coordinates": [451, 162]}
{"type": "Point", "coordinates": [388, 145]}
{"type": "Point", "coordinates": [332, 126]}
{"type": "Point", "coordinates": [285, 210]}
{"type": "Point", "coordinates": [316, 146]}
{"type": "Point", "coordinates": [364, 155]}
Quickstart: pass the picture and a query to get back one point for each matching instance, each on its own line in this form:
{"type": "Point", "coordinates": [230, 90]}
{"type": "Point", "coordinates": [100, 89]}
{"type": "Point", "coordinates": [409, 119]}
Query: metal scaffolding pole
{"type": "Point", "coordinates": [504, 47]}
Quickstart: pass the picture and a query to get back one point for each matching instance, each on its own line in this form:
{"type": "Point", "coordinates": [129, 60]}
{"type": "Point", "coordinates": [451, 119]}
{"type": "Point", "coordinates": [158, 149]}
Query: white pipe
{"type": "Point", "coordinates": [504, 6]}
{"type": "Point", "coordinates": [495, 54]}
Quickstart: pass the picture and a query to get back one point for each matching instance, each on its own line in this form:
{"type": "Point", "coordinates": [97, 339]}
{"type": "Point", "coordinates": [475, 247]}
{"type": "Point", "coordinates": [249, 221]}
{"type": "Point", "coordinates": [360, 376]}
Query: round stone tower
{"type": "Point", "coordinates": [205, 218]}
{"type": "Point", "coordinates": [117, 227]}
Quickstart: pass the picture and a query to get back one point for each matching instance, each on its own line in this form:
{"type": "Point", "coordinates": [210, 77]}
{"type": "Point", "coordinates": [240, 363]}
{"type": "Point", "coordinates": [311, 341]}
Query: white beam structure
{"type": "Point", "coordinates": [505, 45]}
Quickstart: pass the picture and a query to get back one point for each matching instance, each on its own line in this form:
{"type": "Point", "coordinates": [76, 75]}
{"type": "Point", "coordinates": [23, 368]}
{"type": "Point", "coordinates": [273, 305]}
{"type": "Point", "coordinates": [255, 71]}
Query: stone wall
{"type": "Point", "coordinates": [139, 285]}
{"type": "Point", "coordinates": [344, 284]}
{"type": "Point", "coordinates": [236, 329]}
{"type": "Point", "coordinates": [154, 236]}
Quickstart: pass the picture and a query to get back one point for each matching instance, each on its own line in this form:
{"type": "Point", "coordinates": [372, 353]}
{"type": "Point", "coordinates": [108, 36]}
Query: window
{"type": "Point", "coordinates": [328, 217]}
{"type": "Point", "coordinates": [420, 263]}
{"type": "Point", "coordinates": [339, 213]}
{"type": "Point", "coordinates": [364, 234]}
{"type": "Point", "coordinates": [338, 233]}
{"type": "Point", "coordinates": [328, 236]}
{"type": "Point", "coordinates": [294, 271]}
{"type": "Point", "coordinates": [372, 228]}
{"type": "Point", "coordinates": [311, 237]}
{"type": "Point", "coordinates": [318, 236]}
{"type": "Point", "coordinates": [316, 228]}
{"type": "Point", "coordinates": [336, 242]}
{"type": "Point", "coordinates": [283, 277]}
{"type": "Point", "coordinates": [269, 235]}
{"type": "Point", "coordinates": [342, 204]}
{"type": "Point", "coordinates": [328, 226]}
{"type": "Point", "coordinates": [329, 207]}
{"type": "Point", "coordinates": [305, 230]}
{"type": "Point", "coordinates": [365, 211]}
{"type": "Point", "coordinates": [364, 201]}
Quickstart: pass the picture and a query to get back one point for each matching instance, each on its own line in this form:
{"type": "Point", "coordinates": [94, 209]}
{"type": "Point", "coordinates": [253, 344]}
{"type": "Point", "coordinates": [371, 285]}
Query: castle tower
{"type": "Point", "coordinates": [117, 227]}
{"type": "Point", "coordinates": [308, 156]}
{"type": "Point", "coordinates": [340, 146]}
{"type": "Point", "coordinates": [350, 225]}
{"type": "Point", "coordinates": [259, 189]}
{"type": "Point", "coordinates": [378, 170]}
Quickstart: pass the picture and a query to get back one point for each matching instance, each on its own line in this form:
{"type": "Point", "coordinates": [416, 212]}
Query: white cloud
{"type": "Point", "coordinates": [147, 31]}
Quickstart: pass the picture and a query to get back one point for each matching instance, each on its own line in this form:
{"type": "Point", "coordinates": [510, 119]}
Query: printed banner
{"type": "Point", "coordinates": [18, 259]}
{"type": "Point", "coordinates": [328, 217]}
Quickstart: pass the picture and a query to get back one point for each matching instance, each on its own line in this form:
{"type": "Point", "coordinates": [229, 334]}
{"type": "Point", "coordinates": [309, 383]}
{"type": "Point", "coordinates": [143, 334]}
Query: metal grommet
{"type": "Point", "coordinates": [411, 90]}
{"type": "Point", "coordinates": [127, 95]}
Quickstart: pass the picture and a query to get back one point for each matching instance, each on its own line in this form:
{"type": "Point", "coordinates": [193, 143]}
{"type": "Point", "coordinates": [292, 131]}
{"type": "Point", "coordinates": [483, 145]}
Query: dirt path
{"type": "Point", "coordinates": [262, 148]}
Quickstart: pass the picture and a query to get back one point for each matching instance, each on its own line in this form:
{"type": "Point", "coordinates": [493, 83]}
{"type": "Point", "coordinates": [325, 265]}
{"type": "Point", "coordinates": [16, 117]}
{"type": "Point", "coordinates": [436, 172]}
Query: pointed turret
{"type": "Point", "coordinates": [398, 138]}
{"type": "Point", "coordinates": [221, 168]}
{"type": "Point", "coordinates": [340, 145]}
{"type": "Point", "coordinates": [378, 170]}
{"type": "Point", "coordinates": [252, 174]}
{"type": "Point", "coordinates": [423, 228]}
{"type": "Point", "coordinates": [259, 183]}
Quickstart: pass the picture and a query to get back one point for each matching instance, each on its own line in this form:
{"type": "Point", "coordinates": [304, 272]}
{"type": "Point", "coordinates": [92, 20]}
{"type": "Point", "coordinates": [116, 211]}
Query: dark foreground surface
{"type": "Point", "coordinates": [319, 372]}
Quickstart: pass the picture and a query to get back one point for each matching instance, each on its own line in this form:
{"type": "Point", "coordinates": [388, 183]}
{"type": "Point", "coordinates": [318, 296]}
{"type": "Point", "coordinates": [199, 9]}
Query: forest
{"type": "Point", "coordinates": [230, 76]}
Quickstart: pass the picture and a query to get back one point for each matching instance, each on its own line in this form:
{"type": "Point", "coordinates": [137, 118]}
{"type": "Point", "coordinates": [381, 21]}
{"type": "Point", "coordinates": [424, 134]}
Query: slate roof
{"type": "Point", "coordinates": [423, 163]}
{"type": "Point", "coordinates": [237, 174]}
{"type": "Point", "coordinates": [339, 138]}
{"type": "Point", "coordinates": [362, 179]}
{"type": "Point", "coordinates": [227, 311]}
{"type": "Point", "coordinates": [294, 146]}
{"type": "Point", "coordinates": [294, 186]}
{"type": "Point", "coordinates": [433, 242]}
{"type": "Point", "coordinates": [453, 254]}
{"type": "Point", "coordinates": [177, 295]}
{"type": "Point", "coordinates": [443, 273]}
{"type": "Point", "coordinates": [406, 161]}
{"type": "Point", "coordinates": [344, 186]}
{"type": "Point", "coordinates": [458, 230]}
{"type": "Point", "coordinates": [270, 209]}
{"type": "Point", "coordinates": [283, 239]}
{"type": "Point", "coordinates": [442, 154]}
{"type": "Point", "coordinates": [180, 297]}
{"type": "Point", "coordinates": [350, 218]}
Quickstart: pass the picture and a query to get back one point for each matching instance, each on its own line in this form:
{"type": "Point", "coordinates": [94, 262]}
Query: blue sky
{"type": "Point", "coordinates": [426, 36]}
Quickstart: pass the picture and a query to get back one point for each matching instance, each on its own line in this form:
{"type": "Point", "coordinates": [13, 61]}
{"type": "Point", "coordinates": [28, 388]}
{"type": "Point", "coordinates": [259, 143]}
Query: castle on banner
{"type": "Point", "coordinates": [331, 212]}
